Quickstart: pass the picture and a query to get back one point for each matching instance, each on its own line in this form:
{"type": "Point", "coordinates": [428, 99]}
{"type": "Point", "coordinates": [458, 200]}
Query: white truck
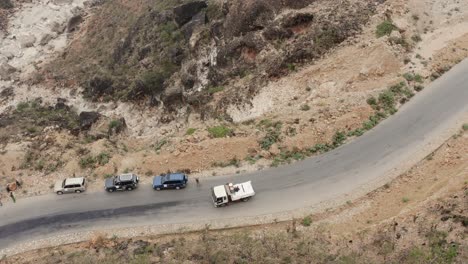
{"type": "Point", "coordinates": [224, 194]}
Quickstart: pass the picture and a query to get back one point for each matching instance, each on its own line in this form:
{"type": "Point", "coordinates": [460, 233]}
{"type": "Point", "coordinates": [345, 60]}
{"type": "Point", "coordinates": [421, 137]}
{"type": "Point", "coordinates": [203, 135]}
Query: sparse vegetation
{"type": "Point", "coordinates": [272, 136]}
{"type": "Point", "coordinates": [87, 162]}
{"type": "Point", "coordinates": [103, 158]}
{"type": "Point", "coordinates": [372, 101]}
{"type": "Point", "coordinates": [190, 131]}
{"type": "Point", "coordinates": [232, 162]}
{"type": "Point", "coordinates": [34, 117]}
{"type": "Point", "coordinates": [305, 107]}
{"type": "Point", "coordinates": [306, 221]}
{"type": "Point", "coordinates": [385, 28]}
{"type": "Point", "coordinates": [90, 161]}
{"type": "Point", "coordinates": [215, 89]}
{"type": "Point", "coordinates": [291, 67]}
{"type": "Point", "coordinates": [220, 131]}
{"type": "Point", "coordinates": [465, 127]}
{"type": "Point", "coordinates": [161, 143]}
{"type": "Point", "coordinates": [408, 76]}
{"type": "Point", "coordinates": [339, 138]}
{"type": "Point", "coordinates": [116, 125]}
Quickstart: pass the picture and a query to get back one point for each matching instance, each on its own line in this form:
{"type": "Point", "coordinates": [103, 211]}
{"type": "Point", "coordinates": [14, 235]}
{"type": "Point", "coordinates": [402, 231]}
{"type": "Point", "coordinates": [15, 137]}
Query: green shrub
{"type": "Point", "coordinates": [220, 131]}
{"type": "Point", "coordinates": [385, 28]}
{"type": "Point", "coordinates": [339, 138]}
{"type": "Point", "coordinates": [272, 136]}
{"type": "Point", "coordinates": [408, 76]}
{"type": "Point", "coordinates": [115, 124]}
{"type": "Point", "coordinates": [387, 99]}
{"type": "Point", "coordinates": [319, 148]}
{"type": "Point", "coordinates": [103, 158]}
{"type": "Point", "coordinates": [215, 89]}
{"type": "Point", "coordinates": [306, 221]}
{"type": "Point", "coordinates": [291, 67]}
{"type": "Point", "coordinates": [357, 132]}
{"type": "Point", "coordinates": [160, 144]}
{"type": "Point", "coordinates": [190, 131]}
{"type": "Point", "coordinates": [405, 199]}
{"type": "Point", "coordinates": [372, 101]}
{"type": "Point", "coordinates": [87, 162]}
{"type": "Point", "coordinates": [397, 88]}
{"type": "Point", "coordinates": [20, 107]}
{"type": "Point", "coordinates": [153, 82]}
{"type": "Point", "coordinates": [465, 127]}
{"type": "Point", "coordinates": [418, 78]}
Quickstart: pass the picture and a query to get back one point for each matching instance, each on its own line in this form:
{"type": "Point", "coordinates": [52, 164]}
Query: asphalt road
{"type": "Point", "coordinates": [302, 184]}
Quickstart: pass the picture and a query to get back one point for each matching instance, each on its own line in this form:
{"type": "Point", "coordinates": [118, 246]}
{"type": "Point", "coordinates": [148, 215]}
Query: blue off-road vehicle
{"type": "Point", "coordinates": [170, 181]}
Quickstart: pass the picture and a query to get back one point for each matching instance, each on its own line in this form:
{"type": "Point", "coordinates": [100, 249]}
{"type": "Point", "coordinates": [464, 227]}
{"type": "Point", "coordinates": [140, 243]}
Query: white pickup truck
{"type": "Point", "coordinates": [227, 193]}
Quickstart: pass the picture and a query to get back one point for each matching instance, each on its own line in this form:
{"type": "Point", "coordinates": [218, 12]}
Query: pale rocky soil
{"type": "Point", "coordinates": [405, 221]}
{"type": "Point", "coordinates": [335, 87]}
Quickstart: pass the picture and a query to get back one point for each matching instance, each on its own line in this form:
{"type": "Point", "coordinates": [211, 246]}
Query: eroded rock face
{"type": "Point", "coordinates": [170, 58]}
{"type": "Point", "coordinates": [184, 13]}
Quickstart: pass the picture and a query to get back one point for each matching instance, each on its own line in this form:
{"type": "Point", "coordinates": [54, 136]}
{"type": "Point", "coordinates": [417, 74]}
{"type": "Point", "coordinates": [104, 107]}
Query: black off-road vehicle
{"type": "Point", "coordinates": [123, 182]}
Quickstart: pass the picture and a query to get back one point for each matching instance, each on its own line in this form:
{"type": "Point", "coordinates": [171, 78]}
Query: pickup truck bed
{"type": "Point", "coordinates": [241, 191]}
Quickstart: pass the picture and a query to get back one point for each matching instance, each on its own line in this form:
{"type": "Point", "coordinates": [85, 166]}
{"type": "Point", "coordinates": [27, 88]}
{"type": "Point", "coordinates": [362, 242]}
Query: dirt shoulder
{"type": "Point", "coordinates": [417, 218]}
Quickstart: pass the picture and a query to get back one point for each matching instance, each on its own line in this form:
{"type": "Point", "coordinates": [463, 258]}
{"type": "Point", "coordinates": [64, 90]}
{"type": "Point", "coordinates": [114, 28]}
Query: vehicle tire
{"type": "Point", "coordinates": [177, 188]}
{"type": "Point", "coordinates": [158, 189]}
{"type": "Point", "coordinates": [110, 190]}
{"type": "Point", "coordinates": [78, 191]}
{"type": "Point", "coordinates": [129, 189]}
{"type": "Point", "coordinates": [59, 193]}
{"type": "Point", "coordinates": [245, 199]}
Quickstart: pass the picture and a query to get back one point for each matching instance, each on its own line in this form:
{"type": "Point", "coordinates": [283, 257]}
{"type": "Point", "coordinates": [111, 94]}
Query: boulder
{"type": "Point", "coordinates": [185, 12]}
{"type": "Point", "coordinates": [87, 119]}
{"type": "Point", "coordinates": [6, 71]}
{"type": "Point", "coordinates": [27, 41]}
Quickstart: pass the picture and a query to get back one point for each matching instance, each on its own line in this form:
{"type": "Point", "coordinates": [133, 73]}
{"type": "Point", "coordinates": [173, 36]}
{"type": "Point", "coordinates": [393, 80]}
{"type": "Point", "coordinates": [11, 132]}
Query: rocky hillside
{"type": "Point", "coordinates": [101, 87]}
{"type": "Point", "coordinates": [177, 53]}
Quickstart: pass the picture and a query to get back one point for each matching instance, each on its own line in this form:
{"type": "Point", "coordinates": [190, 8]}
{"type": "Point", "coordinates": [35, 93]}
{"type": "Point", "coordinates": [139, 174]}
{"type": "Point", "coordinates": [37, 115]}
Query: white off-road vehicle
{"type": "Point", "coordinates": [224, 194]}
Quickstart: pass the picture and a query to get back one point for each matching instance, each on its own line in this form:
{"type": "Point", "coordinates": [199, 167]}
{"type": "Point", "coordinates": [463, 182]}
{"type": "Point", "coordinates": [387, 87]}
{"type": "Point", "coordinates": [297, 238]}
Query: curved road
{"type": "Point", "coordinates": [292, 187]}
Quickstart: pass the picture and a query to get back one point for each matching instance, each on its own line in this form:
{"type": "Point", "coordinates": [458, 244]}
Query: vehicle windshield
{"type": "Point", "coordinates": [165, 178]}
